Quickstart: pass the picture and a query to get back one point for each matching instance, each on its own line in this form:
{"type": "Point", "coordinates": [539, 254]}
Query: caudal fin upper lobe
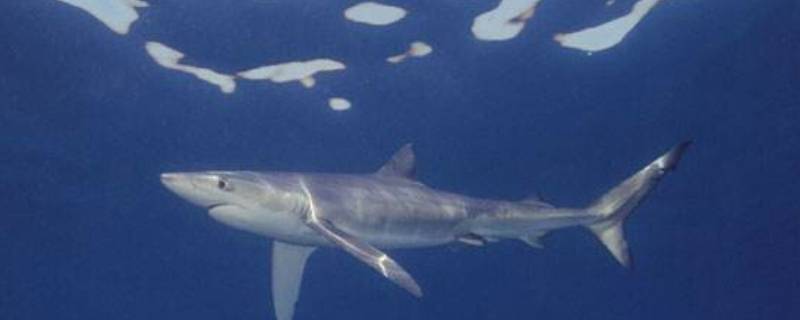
{"type": "Point", "coordinates": [618, 203]}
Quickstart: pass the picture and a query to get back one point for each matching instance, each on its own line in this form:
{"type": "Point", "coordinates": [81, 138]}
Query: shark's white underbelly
{"type": "Point", "coordinates": [383, 233]}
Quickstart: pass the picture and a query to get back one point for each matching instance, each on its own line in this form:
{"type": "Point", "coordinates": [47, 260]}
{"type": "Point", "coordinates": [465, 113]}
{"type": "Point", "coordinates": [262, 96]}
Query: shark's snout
{"type": "Point", "coordinates": [200, 188]}
{"type": "Point", "coordinates": [174, 181]}
{"type": "Point", "coordinates": [169, 177]}
{"type": "Point", "coordinates": [179, 183]}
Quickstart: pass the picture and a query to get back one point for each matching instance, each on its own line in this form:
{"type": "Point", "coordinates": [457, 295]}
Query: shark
{"type": "Point", "coordinates": [367, 214]}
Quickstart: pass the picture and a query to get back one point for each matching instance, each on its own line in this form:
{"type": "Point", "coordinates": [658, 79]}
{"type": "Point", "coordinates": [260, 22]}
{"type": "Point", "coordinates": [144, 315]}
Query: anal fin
{"type": "Point", "coordinates": [472, 239]}
{"type": "Point", "coordinates": [534, 239]}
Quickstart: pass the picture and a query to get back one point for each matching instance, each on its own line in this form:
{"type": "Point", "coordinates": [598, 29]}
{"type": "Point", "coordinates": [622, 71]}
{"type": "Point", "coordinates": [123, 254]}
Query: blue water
{"type": "Point", "coordinates": [89, 121]}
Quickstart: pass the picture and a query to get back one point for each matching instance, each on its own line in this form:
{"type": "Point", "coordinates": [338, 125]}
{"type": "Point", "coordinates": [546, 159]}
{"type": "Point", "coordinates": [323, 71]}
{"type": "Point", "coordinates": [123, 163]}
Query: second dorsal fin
{"type": "Point", "coordinates": [401, 164]}
{"type": "Point", "coordinates": [537, 200]}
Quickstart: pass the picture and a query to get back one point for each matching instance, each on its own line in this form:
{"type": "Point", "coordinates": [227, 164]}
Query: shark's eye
{"type": "Point", "coordinates": [223, 184]}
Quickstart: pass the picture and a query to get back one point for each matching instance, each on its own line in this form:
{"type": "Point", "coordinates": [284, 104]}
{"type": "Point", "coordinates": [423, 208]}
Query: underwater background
{"type": "Point", "coordinates": [89, 121]}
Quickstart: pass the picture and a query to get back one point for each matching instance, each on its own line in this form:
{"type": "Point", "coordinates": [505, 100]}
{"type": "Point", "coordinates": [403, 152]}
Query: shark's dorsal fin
{"type": "Point", "coordinates": [401, 164]}
{"type": "Point", "coordinates": [537, 200]}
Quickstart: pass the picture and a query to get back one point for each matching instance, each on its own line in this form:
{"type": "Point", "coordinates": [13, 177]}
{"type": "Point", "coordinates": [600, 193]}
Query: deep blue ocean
{"type": "Point", "coordinates": [89, 121]}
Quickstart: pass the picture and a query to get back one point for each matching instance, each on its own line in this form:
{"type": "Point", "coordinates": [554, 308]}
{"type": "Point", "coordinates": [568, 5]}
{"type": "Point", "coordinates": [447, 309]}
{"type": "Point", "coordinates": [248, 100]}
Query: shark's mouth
{"type": "Point", "coordinates": [230, 214]}
{"type": "Point", "coordinates": [216, 205]}
{"type": "Point", "coordinates": [221, 207]}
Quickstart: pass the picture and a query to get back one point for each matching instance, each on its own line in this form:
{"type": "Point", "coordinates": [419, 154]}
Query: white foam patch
{"type": "Point", "coordinates": [170, 58]}
{"type": "Point", "coordinates": [339, 104]}
{"type": "Point", "coordinates": [118, 15]}
{"type": "Point", "coordinates": [374, 13]}
{"type": "Point", "coordinates": [417, 49]}
{"type": "Point", "coordinates": [608, 34]}
{"type": "Point", "coordinates": [505, 21]}
{"type": "Point", "coordinates": [302, 71]}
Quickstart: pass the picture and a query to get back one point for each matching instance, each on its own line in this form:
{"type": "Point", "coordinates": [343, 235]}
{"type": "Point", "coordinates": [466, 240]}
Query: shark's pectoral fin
{"type": "Point", "coordinates": [358, 248]}
{"type": "Point", "coordinates": [368, 254]}
{"type": "Point", "coordinates": [288, 262]}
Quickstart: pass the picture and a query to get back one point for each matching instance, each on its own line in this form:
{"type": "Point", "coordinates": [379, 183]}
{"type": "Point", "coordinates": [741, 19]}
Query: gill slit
{"type": "Point", "coordinates": [311, 213]}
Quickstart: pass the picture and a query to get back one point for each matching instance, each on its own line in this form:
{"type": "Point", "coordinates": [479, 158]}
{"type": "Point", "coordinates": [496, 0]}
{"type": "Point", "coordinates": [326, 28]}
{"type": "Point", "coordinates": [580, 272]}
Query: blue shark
{"type": "Point", "coordinates": [366, 214]}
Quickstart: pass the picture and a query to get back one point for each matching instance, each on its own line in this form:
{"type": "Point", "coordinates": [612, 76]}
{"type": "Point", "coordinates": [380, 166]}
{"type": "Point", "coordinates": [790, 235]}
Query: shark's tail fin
{"type": "Point", "coordinates": [619, 202]}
